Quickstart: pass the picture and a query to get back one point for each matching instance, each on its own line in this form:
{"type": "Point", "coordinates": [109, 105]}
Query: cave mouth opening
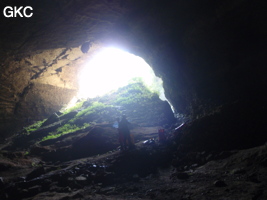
{"type": "Point", "coordinates": [112, 68]}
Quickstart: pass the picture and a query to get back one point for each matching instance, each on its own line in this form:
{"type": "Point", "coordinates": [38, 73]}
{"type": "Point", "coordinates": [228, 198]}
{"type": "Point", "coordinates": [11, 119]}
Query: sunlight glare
{"type": "Point", "coordinates": [113, 68]}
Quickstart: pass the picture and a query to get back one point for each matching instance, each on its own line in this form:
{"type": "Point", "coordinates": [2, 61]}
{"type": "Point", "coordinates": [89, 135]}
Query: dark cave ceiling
{"type": "Point", "coordinates": [207, 52]}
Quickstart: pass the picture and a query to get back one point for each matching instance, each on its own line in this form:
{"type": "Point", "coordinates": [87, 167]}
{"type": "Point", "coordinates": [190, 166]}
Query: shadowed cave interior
{"type": "Point", "coordinates": [210, 58]}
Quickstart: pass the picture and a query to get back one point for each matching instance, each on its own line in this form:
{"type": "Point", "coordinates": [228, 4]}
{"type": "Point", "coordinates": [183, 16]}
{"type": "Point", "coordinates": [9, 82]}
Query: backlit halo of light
{"type": "Point", "coordinates": [112, 68]}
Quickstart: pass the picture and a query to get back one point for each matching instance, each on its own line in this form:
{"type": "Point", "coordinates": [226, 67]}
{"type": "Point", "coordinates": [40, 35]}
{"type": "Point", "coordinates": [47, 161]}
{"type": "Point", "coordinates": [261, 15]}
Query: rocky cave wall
{"type": "Point", "coordinates": [207, 52]}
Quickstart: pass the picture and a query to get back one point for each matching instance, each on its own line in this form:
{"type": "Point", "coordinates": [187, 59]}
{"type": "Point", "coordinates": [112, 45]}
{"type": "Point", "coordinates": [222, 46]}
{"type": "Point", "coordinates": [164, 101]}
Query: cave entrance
{"type": "Point", "coordinates": [112, 68]}
{"type": "Point", "coordinates": [114, 82]}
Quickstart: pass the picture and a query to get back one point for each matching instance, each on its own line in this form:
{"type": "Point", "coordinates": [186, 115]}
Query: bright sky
{"type": "Point", "coordinates": [113, 68]}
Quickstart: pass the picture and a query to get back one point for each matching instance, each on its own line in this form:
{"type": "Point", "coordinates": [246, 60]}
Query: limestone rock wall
{"type": "Point", "coordinates": [206, 52]}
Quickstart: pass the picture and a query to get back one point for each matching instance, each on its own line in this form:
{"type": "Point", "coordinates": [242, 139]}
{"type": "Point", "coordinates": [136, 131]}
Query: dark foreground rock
{"type": "Point", "coordinates": [142, 173]}
{"type": "Point", "coordinates": [237, 125]}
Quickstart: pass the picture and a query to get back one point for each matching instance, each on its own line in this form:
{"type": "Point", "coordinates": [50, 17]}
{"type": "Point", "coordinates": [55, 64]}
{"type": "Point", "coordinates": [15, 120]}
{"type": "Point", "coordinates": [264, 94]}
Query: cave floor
{"type": "Point", "coordinates": [145, 172]}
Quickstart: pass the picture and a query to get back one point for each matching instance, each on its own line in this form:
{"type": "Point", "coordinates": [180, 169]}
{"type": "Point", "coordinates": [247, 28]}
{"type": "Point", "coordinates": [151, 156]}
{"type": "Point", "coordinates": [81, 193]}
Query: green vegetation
{"type": "Point", "coordinates": [65, 129]}
{"type": "Point", "coordinates": [34, 164]}
{"type": "Point", "coordinates": [77, 106]}
{"type": "Point", "coordinates": [34, 126]}
{"type": "Point", "coordinates": [135, 96]}
{"type": "Point", "coordinates": [96, 106]}
{"type": "Point", "coordinates": [135, 93]}
{"type": "Point", "coordinates": [154, 87]}
{"type": "Point", "coordinates": [96, 109]}
{"type": "Point", "coordinates": [78, 122]}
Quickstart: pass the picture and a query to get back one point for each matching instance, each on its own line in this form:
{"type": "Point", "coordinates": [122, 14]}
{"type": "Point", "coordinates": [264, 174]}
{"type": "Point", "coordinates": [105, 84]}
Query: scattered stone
{"type": "Point", "coordinates": [238, 171]}
{"type": "Point", "coordinates": [107, 190]}
{"type": "Point", "coordinates": [81, 178]}
{"type": "Point", "coordinates": [65, 189]}
{"type": "Point", "coordinates": [224, 154]}
{"type": "Point", "coordinates": [151, 193]}
{"type": "Point", "coordinates": [150, 176]}
{"type": "Point", "coordinates": [209, 157]}
{"type": "Point", "coordinates": [149, 142]}
{"type": "Point", "coordinates": [253, 178]}
{"type": "Point", "coordinates": [194, 165]}
{"type": "Point", "coordinates": [219, 183]}
{"type": "Point", "coordinates": [135, 177]}
{"type": "Point", "coordinates": [180, 175]}
{"type": "Point", "coordinates": [35, 173]}
{"type": "Point", "coordinates": [78, 196]}
{"type": "Point", "coordinates": [34, 190]}
{"type": "Point", "coordinates": [264, 162]}
{"type": "Point", "coordinates": [1, 182]}
{"type": "Point", "coordinates": [169, 190]}
{"type": "Point", "coordinates": [5, 165]}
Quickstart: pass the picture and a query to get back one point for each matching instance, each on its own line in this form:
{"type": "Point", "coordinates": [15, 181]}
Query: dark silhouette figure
{"type": "Point", "coordinates": [125, 131]}
{"type": "Point", "coordinates": [120, 134]}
